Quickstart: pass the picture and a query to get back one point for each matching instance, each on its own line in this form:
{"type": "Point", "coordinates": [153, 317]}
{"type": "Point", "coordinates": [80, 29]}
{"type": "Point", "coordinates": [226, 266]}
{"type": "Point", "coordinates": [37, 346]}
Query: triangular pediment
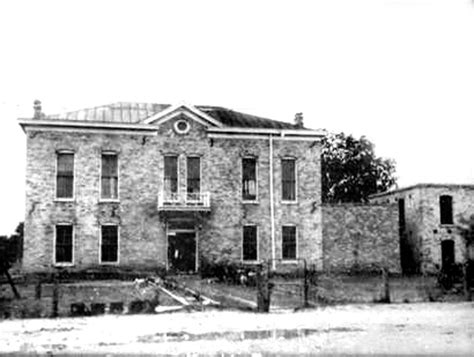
{"type": "Point", "coordinates": [178, 111]}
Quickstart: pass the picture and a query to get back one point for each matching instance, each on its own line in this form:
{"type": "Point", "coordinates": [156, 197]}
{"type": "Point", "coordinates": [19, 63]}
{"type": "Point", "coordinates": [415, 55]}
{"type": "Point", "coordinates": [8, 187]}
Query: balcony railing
{"type": "Point", "coordinates": [184, 201]}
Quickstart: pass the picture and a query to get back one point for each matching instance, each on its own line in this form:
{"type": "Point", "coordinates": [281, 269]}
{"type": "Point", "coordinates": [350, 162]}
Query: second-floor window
{"type": "Point", "coordinates": [401, 215]}
{"type": "Point", "coordinates": [65, 175]}
{"type": "Point", "coordinates": [288, 179]}
{"type": "Point", "coordinates": [446, 209]}
{"type": "Point", "coordinates": [171, 174]}
{"type": "Point", "coordinates": [249, 179]}
{"type": "Point", "coordinates": [109, 177]}
{"type": "Point", "coordinates": [193, 169]}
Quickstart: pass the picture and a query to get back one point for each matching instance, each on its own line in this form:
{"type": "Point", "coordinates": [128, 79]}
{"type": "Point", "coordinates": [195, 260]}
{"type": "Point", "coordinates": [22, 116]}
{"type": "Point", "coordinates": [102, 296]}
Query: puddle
{"type": "Point", "coordinates": [182, 336]}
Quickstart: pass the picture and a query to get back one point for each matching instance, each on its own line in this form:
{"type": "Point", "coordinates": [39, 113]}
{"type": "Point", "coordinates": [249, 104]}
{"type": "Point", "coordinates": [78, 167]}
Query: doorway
{"type": "Point", "coordinates": [182, 252]}
{"type": "Point", "coordinates": [447, 254]}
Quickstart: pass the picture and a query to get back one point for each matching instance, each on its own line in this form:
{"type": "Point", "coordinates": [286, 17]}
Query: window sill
{"type": "Point", "coordinates": [109, 200]}
{"type": "Point", "coordinates": [447, 225]}
{"type": "Point", "coordinates": [64, 200]}
{"type": "Point", "coordinates": [289, 202]}
{"type": "Point", "coordinates": [63, 265]}
{"type": "Point", "coordinates": [251, 262]}
{"type": "Point", "coordinates": [249, 202]}
{"type": "Point", "coordinates": [109, 263]}
{"type": "Point", "coordinates": [289, 261]}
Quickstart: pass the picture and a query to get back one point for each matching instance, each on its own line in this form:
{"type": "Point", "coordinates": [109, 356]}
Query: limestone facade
{"type": "Point", "coordinates": [143, 228]}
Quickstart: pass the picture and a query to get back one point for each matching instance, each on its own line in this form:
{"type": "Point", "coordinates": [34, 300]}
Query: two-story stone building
{"type": "Point", "coordinates": [150, 185]}
{"type": "Point", "coordinates": [429, 217]}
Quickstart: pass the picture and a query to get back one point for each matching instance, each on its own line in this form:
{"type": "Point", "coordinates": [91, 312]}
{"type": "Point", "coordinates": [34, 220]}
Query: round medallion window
{"type": "Point", "coordinates": [181, 126]}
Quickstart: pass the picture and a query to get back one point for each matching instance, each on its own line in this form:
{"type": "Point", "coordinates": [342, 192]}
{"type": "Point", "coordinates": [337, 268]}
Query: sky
{"type": "Point", "coordinates": [400, 72]}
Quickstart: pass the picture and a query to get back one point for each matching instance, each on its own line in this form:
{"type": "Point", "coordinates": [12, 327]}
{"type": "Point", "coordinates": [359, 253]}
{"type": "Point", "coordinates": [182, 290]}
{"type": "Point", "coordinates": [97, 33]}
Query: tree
{"type": "Point", "coordinates": [11, 248]}
{"type": "Point", "coordinates": [351, 171]}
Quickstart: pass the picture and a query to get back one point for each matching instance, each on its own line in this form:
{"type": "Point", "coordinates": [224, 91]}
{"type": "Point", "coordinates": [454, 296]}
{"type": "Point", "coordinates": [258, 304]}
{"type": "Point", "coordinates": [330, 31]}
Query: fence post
{"type": "Point", "coordinates": [466, 280]}
{"type": "Point", "coordinates": [38, 290]}
{"type": "Point", "coordinates": [386, 285]}
{"type": "Point", "coordinates": [55, 295]}
{"type": "Point", "coordinates": [306, 285]}
{"type": "Point", "coordinates": [263, 289]}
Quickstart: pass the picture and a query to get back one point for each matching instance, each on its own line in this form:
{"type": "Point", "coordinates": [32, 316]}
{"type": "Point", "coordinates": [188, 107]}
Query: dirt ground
{"type": "Point", "coordinates": [423, 328]}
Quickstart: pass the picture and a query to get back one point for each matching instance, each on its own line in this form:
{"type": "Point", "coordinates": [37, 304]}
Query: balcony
{"type": "Point", "coordinates": [184, 201]}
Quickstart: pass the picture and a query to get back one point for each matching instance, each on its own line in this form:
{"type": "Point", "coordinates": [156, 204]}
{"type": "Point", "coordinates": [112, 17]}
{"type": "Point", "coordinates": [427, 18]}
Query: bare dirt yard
{"type": "Point", "coordinates": [422, 328]}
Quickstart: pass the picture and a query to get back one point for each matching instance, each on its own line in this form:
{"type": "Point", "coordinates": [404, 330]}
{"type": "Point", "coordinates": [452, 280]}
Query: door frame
{"type": "Point", "coordinates": [187, 230]}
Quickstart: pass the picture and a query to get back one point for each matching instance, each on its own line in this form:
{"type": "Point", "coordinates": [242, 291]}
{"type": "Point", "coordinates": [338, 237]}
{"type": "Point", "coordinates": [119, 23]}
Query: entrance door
{"type": "Point", "coordinates": [182, 252]}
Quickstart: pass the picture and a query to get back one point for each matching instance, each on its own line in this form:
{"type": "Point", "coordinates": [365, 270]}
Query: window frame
{"type": "Point", "coordinates": [245, 200]}
{"type": "Point", "coordinates": [73, 196]}
{"type": "Point", "coordinates": [73, 233]}
{"type": "Point", "coordinates": [101, 262]}
{"type": "Point", "coordinates": [288, 158]}
{"type": "Point", "coordinates": [101, 198]}
{"type": "Point", "coordinates": [178, 130]}
{"type": "Point", "coordinates": [257, 243]}
{"type": "Point", "coordinates": [177, 173]}
{"type": "Point", "coordinates": [295, 259]}
{"type": "Point", "coordinates": [186, 173]}
{"type": "Point", "coordinates": [441, 210]}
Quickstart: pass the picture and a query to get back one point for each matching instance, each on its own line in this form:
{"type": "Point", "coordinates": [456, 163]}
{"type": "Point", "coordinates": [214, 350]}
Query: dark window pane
{"type": "Point", "coordinates": [249, 179]}
{"type": "Point", "coordinates": [63, 244]}
{"type": "Point", "coordinates": [250, 243]}
{"type": "Point", "coordinates": [109, 181]}
{"type": "Point", "coordinates": [65, 163]}
{"type": "Point", "coordinates": [289, 242]}
{"type": "Point", "coordinates": [288, 179]}
{"type": "Point", "coordinates": [446, 209]}
{"type": "Point", "coordinates": [194, 175]}
{"type": "Point", "coordinates": [447, 254]}
{"type": "Point", "coordinates": [171, 174]}
{"type": "Point", "coordinates": [65, 175]}
{"type": "Point", "coordinates": [109, 244]}
{"type": "Point", "coordinates": [401, 215]}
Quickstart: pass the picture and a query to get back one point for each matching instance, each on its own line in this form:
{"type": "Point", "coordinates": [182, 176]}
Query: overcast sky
{"type": "Point", "coordinates": [400, 72]}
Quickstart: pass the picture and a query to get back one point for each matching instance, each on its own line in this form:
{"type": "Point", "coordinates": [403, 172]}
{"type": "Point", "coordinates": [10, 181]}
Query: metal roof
{"type": "Point", "coordinates": [127, 112]}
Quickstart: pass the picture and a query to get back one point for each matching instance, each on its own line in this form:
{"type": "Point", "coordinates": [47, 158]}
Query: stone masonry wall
{"type": "Point", "coordinates": [360, 237]}
{"type": "Point", "coordinates": [432, 232]}
{"type": "Point", "coordinates": [423, 231]}
{"type": "Point", "coordinates": [142, 230]}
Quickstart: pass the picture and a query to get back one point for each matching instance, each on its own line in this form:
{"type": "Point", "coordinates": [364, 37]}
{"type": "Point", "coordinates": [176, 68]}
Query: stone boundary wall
{"type": "Point", "coordinates": [360, 237]}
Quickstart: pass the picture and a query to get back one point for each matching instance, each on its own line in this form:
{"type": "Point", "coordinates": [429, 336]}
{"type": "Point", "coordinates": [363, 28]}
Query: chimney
{"type": "Point", "coordinates": [299, 120]}
{"type": "Point", "coordinates": [37, 107]}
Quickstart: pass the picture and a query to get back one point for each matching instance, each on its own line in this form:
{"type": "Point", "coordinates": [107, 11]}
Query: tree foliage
{"type": "Point", "coordinates": [351, 171]}
{"type": "Point", "coordinates": [11, 248]}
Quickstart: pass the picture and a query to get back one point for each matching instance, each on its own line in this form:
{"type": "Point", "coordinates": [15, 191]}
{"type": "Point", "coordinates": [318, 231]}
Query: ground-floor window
{"type": "Point", "coordinates": [109, 244]}
{"type": "Point", "coordinates": [64, 244]}
{"type": "Point", "coordinates": [288, 243]}
{"type": "Point", "coordinates": [250, 244]}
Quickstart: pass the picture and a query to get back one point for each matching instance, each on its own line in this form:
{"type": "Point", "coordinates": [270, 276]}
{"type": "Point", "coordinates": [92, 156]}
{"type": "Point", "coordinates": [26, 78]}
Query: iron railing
{"type": "Point", "coordinates": [184, 201]}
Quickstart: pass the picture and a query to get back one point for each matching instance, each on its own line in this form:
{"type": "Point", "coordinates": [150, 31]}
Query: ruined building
{"type": "Point", "coordinates": [429, 219]}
